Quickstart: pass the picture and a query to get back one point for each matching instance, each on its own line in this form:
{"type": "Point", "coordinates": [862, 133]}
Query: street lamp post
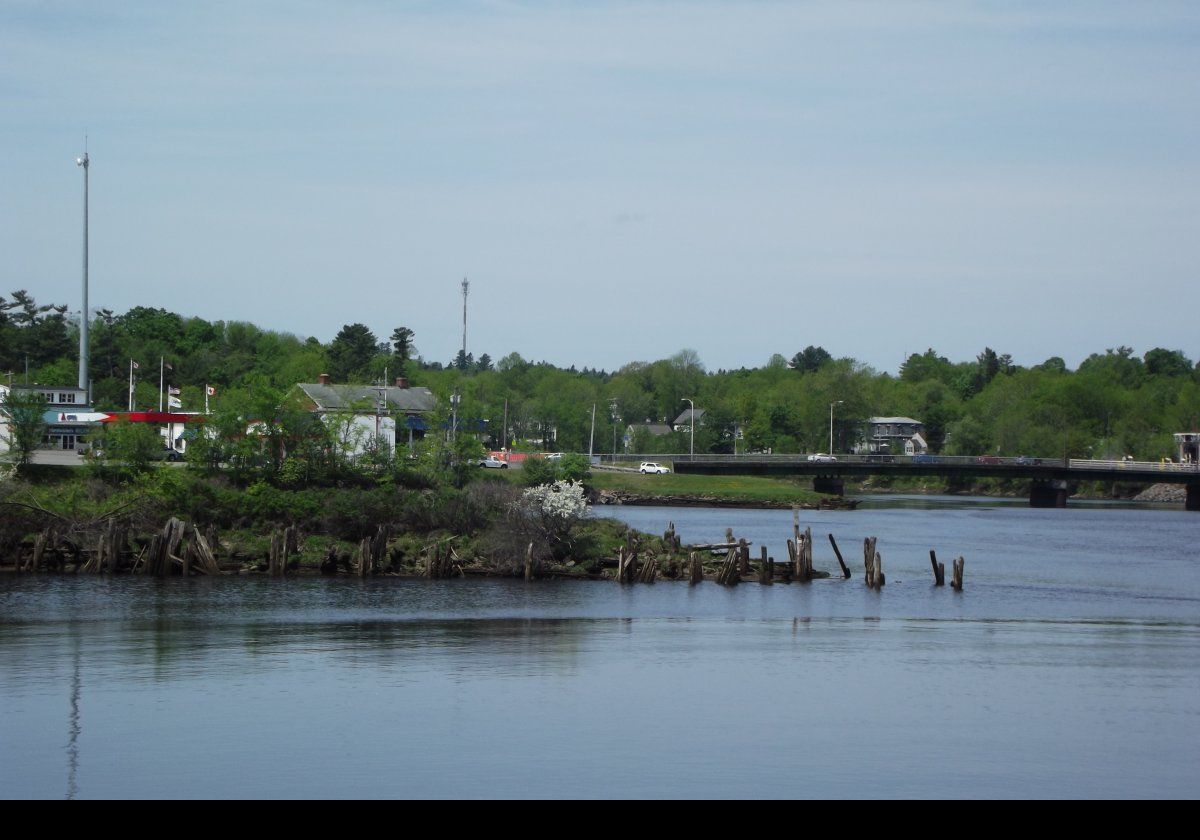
{"type": "Point", "coordinates": [831, 405]}
{"type": "Point", "coordinates": [691, 426]}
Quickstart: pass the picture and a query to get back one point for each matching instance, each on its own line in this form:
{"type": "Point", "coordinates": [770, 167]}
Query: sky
{"type": "Point", "coordinates": [618, 180]}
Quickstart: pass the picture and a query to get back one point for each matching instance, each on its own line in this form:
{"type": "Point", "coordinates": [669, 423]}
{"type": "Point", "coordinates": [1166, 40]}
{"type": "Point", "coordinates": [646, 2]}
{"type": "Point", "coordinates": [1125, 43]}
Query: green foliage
{"type": "Point", "coordinates": [1115, 402]}
{"type": "Point", "coordinates": [132, 447]}
{"type": "Point", "coordinates": [23, 425]}
{"type": "Point", "coordinates": [351, 352]}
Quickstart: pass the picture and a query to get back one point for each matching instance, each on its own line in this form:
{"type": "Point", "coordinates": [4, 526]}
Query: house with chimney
{"type": "Point", "coordinates": [396, 413]}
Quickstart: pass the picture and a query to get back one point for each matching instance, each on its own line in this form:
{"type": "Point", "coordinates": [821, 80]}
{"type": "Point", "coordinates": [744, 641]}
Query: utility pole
{"type": "Point", "coordinates": [85, 162]}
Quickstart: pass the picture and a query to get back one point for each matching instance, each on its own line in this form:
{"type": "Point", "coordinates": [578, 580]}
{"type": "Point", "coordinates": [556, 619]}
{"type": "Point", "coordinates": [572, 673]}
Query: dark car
{"type": "Point", "coordinates": [1026, 461]}
{"type": "Point", "coordinates": [881, 459]}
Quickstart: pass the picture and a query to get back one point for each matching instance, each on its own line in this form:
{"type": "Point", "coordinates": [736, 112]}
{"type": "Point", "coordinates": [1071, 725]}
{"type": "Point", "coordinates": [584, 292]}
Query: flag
{"type": "Point", "coordinates": [174, 403]}
{"type": "Point", "coordinates": [210, 390]}
{"type": "Point", "coordinates": [173, 391]}
{"type": "Point", "coordinates": [167, 365]}
{"type": "Point", "coordinates": [135, 365]}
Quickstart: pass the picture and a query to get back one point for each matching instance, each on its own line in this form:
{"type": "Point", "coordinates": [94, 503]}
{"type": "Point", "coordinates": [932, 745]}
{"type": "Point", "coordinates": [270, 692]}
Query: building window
{"type": "Point", "coordinates": [67, 399]}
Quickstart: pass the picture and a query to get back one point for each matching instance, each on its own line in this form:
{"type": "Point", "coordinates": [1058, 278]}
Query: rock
{"type": "Point", "coordinates": [1162, 493]}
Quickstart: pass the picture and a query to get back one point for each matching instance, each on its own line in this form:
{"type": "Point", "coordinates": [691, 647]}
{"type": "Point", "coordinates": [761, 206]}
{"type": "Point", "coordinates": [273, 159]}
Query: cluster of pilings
{"type": "Point", "coordinates": [737, 566]}
{"type": "Point", "coordinates": [177, 549]}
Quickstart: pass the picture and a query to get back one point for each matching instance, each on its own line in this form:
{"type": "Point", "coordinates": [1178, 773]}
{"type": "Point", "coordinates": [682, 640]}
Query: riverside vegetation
{"type": "Point", "coordinates": [1116, 403]}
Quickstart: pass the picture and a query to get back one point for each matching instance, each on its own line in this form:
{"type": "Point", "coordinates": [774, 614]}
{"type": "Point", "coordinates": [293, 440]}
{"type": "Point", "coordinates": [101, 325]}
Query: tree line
{"type": "Point", "coordinates": [1115, 403]}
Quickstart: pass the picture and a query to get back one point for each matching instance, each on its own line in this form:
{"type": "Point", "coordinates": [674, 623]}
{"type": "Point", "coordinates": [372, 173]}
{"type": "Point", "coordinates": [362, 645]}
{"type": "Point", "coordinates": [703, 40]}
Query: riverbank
{"type": "Point", "coordinates": [674, 490]}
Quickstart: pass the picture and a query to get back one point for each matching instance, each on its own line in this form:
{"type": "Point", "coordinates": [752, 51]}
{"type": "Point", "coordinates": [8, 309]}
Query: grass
{"type": "Point", "coordinates": [732, 487]}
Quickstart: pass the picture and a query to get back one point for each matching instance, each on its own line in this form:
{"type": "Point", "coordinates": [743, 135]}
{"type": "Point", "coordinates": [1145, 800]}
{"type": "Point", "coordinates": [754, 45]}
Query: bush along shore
{"type": "Point", "coordinates": [178, 525]}
{"type": "Point", "coordinates": [436, 523]}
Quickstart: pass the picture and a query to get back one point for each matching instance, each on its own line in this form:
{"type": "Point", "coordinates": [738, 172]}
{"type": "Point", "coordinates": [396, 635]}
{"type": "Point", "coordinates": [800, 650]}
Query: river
{"type": "Point", "coordinates": [1066, 668]}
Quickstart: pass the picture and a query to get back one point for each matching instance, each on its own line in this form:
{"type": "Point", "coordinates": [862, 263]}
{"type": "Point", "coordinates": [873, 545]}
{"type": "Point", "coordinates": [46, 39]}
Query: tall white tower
{"type": "Point", "coordinates": [85, 162]}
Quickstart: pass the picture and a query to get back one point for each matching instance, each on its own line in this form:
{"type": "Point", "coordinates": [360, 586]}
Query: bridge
{"type": "Point", "coordinates": [1050, 477]}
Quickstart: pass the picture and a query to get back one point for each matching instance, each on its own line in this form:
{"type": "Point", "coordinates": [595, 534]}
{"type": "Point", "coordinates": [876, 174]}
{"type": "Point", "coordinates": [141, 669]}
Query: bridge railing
{"type": "Point", "coordinates": [914, 460]}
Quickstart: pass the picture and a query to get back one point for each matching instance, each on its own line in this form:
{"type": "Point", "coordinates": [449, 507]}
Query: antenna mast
{"type": "Point", "coordinates": [466, 288]}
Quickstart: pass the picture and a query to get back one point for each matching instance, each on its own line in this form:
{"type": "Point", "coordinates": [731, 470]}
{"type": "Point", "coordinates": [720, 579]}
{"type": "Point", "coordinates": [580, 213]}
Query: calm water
{"type": "Point", "coordinates": [1068, 667]}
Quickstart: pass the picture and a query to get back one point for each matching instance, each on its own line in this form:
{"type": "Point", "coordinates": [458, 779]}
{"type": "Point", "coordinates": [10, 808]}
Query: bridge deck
{"type": "Point", "coordinates": [1048, 469]}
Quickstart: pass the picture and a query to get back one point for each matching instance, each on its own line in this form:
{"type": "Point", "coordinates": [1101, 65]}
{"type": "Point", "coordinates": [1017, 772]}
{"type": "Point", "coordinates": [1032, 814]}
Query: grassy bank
{"type": "Point", "coordinates": [734, 488]}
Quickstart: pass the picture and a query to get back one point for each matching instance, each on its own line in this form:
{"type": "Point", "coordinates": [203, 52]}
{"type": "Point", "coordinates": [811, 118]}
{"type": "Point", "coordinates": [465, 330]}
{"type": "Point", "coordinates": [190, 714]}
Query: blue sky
{"type": "Point", "coordinates": [619, 180]}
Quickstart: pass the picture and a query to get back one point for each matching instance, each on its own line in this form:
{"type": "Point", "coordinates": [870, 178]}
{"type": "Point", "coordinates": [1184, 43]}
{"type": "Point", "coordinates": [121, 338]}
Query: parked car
{"type": "Point", "coordinates": [881, 459]}
{"type": "Point", "coordinates": [490, 463]}
{"type": "Point", "coordinates": [924, 459]}
{"type": "Point", "coordinates": [651, 468]}
{"type": "Point", "coordinates": [553, 456]}
{"type": "Point", "coordinates": [988, 459]}
{"type": "Point", "coordinates": [1026, 461]}
{"type": "Point", "coordinates": [168, 454]}
{"type": "Point", "coordinates": [821, 458]}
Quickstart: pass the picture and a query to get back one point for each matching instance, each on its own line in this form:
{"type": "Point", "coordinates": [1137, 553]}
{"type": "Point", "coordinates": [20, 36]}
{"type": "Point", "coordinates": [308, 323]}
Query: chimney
{"type": "Point", "coordinates": [323, 379]}
{"type": "Point", "coordinates": [401, 382]}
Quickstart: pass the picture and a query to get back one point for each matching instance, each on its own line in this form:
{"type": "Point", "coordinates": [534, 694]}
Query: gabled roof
{"type": "Point", "coordinates": [685, 419]}
{"type": "Point", "coordinates": [657, 429]}
{"type": "Point", "coordinates": [365, 397]}
{"type": "Point", "coordinates": [895, 420]}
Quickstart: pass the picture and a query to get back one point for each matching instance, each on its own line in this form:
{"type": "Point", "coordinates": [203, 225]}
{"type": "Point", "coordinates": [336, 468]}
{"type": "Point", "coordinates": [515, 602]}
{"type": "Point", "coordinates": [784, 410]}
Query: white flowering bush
{"type": "Point", "coordinates": [560, 500]}
{"type": "Point", "coordinates": [549, 514]}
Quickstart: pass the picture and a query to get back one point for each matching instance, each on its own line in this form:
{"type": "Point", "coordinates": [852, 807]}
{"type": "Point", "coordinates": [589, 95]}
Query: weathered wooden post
{"type": "Point", "coordinates": [939, 569]}
{"type": "Point", "coordinates": [956, 581]}
{"type": "Point", "coordinates": [873, 562]}
{"type": "Point", "coordinates": [837, 552]}
{"type": "Point", "coordinates": [743, 558]}
{"type": "Point", "coordinates": [366, 563]}
{"type": "Point", "coordinates": [766, 573]}
{"type": "Point", "coordinates": [529, 563]}
{"type": "Point", "coordinates": [697, 568]}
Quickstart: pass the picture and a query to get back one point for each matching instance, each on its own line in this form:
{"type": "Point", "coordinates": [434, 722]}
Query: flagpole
{"type": "Point", "coordinates": [160, 383]}
{"type": "Point", "coordinates": [131, 384]}
{"type": "Point", "coordinates": [206, 398]}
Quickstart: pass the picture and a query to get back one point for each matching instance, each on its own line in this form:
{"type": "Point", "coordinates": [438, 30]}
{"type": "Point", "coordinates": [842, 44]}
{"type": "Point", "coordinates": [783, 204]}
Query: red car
{"type": "Point", "coordinates": [988, 459]}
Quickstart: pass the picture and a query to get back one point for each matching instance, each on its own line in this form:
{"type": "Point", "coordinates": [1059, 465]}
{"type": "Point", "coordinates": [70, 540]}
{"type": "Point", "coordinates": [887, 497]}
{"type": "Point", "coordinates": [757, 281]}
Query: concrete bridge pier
{"type": "Point", "coordinates": [1048, 494]}
{"type": "Point", "coordinates": [831, 484]}
{"type": "Point", "coordinates": [1193, 497]}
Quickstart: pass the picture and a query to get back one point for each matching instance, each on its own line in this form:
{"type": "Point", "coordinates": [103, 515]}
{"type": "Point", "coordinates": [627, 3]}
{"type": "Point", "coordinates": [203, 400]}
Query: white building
{"type": "Point", "coordinates": [361, 413]}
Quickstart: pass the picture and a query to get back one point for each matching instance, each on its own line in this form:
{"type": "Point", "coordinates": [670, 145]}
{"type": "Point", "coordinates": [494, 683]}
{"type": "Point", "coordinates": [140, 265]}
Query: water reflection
{"type": "Point", "coordinates": [1067, 667]}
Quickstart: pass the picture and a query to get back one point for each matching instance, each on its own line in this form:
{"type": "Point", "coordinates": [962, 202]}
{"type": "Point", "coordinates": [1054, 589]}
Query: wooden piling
{"type": "Point", "coordinates": [939, 569]}
{"type": "Point", "coordinates": [873, 564]}
{"type": "Point", "coordinates": [766, 569]}
{"type": "Point", "coordinates": [529, 563]}
{"type": "Point", "coordinates": [696, 568]}
{"type": "Point", "coordinates": [956, 581]}
{"type": "Point", "coordinates": [743, 558]}
{"type": "Point", "coordinates": [838, 553]}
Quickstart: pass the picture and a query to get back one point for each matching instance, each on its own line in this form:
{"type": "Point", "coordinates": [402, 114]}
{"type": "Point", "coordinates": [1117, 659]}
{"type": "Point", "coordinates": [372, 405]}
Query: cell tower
{"type": "Point", "coordinates": [466, 288]}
